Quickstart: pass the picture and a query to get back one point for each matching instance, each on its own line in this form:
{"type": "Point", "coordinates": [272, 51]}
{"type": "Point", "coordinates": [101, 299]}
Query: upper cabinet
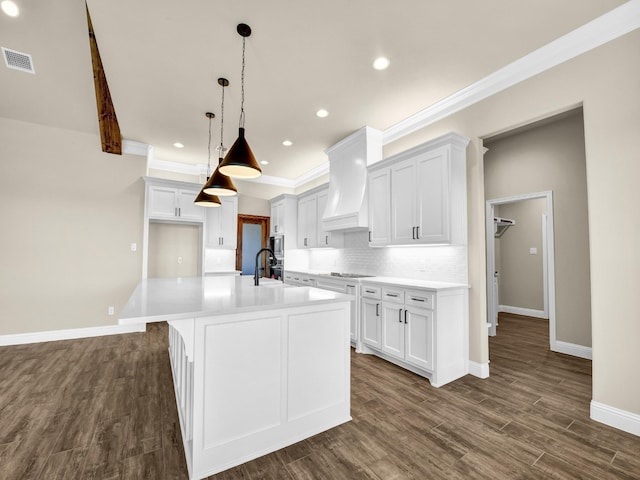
{"type": "Point", "coordinates": [284, 212]}
{"type": "Point", "coordinates": [222, 224]}
{"type": "Point", "coordinates": [311, 232]}
{"type": "Point", "coordinates": [419, 196]}
{"type": "Point", "coordinates": [173, 203]}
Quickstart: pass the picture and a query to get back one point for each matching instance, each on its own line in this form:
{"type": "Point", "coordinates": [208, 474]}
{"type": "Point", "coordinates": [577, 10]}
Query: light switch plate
{"type": "Point", "coordinates": [533, 251]}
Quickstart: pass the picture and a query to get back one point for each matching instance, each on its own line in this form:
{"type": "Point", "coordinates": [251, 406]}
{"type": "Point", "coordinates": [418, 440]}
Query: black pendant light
{"type": "Point", "coordinates": [220, 184]}
{"type": "Point", "coordinates": [204, 199]}
{"type": "Point", "coordinates": [240, 162]}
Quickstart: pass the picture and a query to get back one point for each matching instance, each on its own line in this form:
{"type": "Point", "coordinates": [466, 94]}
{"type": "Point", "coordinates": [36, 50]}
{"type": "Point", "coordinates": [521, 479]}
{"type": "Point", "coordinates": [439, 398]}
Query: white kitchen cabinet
{"type": "Point", "coordinates": [284, 217]}
{"type": "Point", "coordinates": [426, 198]}
{"type": "Point", "coordinates": [371, 318]}
{"type": "Point", "coordinates": [311, 234]}
{"type": "Point", "coordinates": [222, 224]}
{"type": "Point", "coordinates": [343, 285]}
{"type": "Point", "coordinates": [326, 238]}
{"type": "Point", "coordinates": [171, 203]}
{"type": "Point", "coordinates": [307, 221]}
{"type": "Point", "coordinates": [379, 207]}
{"type": "Point", "coordinates": [424, 331]}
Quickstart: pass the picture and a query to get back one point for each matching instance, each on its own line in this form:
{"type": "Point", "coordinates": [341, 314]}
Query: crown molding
{"type": "Point", "coordinates": [603, 29]}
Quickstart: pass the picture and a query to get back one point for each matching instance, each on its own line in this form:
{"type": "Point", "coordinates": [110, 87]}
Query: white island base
{"type": "Point", "coordinates": [257, 382]}
{"type": "Point", "coordinates": [254, 368]}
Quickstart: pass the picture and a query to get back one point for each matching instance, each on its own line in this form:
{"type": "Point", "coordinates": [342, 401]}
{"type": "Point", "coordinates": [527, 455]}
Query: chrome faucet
{"type": "Point", "coordinates": [272, 261]}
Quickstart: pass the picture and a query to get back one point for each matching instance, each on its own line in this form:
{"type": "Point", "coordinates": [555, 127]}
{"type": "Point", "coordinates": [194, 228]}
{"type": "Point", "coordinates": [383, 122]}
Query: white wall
{"type": "Point", "coordinates": [70, 213]}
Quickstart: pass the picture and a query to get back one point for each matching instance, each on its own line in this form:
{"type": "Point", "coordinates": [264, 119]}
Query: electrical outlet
{"type": "Point", "coordinates": [134, 247]}
{"type": "Point", "coordinates": [110, 311]}
{"type": "Point", "coordinates": [179, 259]}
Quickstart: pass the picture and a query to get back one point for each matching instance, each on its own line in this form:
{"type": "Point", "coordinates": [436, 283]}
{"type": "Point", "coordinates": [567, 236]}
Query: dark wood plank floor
{"type": "Point", "coordinates": [104, 408]}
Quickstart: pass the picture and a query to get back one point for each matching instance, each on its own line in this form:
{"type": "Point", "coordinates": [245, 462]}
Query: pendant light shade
{"type": "Point", "coordinates": [240, 162]}
{"type": "Point", "coordinates": [205, 199]}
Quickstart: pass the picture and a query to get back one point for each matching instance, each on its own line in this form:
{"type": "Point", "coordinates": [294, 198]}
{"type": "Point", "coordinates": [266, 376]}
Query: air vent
{"type": "Point", "coordinates": [17, 60]}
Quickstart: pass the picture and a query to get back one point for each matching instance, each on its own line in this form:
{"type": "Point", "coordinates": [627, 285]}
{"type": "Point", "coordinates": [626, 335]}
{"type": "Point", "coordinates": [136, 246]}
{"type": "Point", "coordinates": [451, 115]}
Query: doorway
{"type": "Point", "coordinates": [253, 234]}
{"type": "Point", "coordinates": [548, 263]}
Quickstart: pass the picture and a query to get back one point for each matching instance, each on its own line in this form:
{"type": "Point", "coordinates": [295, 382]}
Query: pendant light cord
{"type": "Point", "coordinates": [242, 86]}
{"type": "Point", "coordinates": [221, 150]}
{"type": "Point", "coordinates": [209, 152]}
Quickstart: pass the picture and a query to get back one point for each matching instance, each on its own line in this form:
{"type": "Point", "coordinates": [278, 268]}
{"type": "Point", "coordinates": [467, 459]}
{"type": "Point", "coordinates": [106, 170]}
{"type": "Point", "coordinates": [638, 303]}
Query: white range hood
{"type": "Point", "coordinates": [347, 206]}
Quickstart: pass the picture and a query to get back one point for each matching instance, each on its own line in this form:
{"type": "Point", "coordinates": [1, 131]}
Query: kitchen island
{"type": "Point", "coordinates": [255, 368]}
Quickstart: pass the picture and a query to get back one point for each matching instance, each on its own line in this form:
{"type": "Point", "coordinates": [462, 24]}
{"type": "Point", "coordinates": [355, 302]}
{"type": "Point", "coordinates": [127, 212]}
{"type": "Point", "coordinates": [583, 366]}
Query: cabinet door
{"type": "Point", "coordinates": [403, 202]}
{"type": "Point", "coordinates": [213, 227]}
{"type": "Point", "coordinates": [187, 210]}
{"type": "Point", "coordinates": [163, 202]}
{"type": "Point", "coordinates": [380, 207]}
{"type": "Point", "coordinates": [419, 338]}
{"type": "Point", "coordinates": [393, 330]}
{"type": "Point", "coordinates": [307, 222]}
{"type": "Point", "coordinates": [371, 323]}
{"type": "Point", "coordinates": [433, 196]}
{"type": "Point", "coordinates": [326, 238]}
{"type": "Point", "coordinates": [229, 222]}
{"type": "Point", "coordinates": [276, 218]}
{"type": "Point", "coordinates": [351, 290]}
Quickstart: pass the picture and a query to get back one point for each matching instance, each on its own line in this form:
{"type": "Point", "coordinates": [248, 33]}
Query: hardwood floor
{"type": "Point", "coordinates": [104, 408]}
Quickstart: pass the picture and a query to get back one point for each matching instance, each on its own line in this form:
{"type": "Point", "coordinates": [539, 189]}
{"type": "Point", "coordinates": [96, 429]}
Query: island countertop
{"type": "Point", "coordinates": [161, 299]}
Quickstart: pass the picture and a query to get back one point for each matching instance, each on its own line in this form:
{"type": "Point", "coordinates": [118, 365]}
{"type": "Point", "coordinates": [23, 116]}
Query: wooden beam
{"type": "Point", "coordinates": [107, 120]}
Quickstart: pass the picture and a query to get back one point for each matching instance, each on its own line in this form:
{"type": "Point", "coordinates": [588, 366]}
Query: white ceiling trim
{"type": "Point", "coordinates": [603, 29]}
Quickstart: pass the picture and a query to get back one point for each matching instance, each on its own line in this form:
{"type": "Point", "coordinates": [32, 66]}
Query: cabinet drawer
{"type": "Point", "coordinates": [419, 298]}
{"type": "Point", "coordinates": [370, 292]}
{"type": "Point", "coordinates": [394, 295]}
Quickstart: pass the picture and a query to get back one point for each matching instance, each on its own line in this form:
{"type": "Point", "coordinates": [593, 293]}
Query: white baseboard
{"type": "Point", "coordinates": [572, 349]}
{"type": "Point", "coordinates": [480, 370]}
{"type": "Point", "coordinates": [528, 312]}
{"type": "Point", "coordinates": [616, 418]}
{"type": "Point", "coordinates": [70, 334]}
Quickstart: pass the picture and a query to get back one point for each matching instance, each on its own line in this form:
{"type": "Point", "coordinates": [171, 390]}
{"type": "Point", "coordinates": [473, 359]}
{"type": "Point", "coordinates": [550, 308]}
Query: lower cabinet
{"type": "Point", "coordinates": [371, 317]}
{"type": "Point", "coordinates": [407, 331]}
{"type": "Point", "coordinates": [425, 331]}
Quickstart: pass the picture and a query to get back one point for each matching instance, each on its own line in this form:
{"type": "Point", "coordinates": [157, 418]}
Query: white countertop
{"type": "Point", "coordinates": [160, 299]}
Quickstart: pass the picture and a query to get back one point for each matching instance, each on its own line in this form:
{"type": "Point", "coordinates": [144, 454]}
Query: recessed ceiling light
{"type": "Point", "coordinates": [10, 8]}
{"type": "Point", "coordinates": [264, 162]}
{"type": "Point", "coordinates": [178, 145]}
{"type": "Point", "coordinates": [287, 143]}
{"type": "Point", "coordinates": [381, 63]}
{"type": "Point", "coordinates": [322, 113]}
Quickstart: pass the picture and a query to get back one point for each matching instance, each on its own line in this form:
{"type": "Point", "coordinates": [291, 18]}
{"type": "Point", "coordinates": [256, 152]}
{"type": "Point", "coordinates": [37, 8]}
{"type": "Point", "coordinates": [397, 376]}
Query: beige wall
{"type": "Point", "coordinates": [69, 215]}
{"type": "Point", "coordinates": [174, 250]}
{"type": "Point", "coordinates": [521, 274]}
{"type": "Point", "coordinates": [550, 156]}
{"type": "Point", "coordinates": [605, 81]}
{"type": "Point", "coordinates": [248, 205]}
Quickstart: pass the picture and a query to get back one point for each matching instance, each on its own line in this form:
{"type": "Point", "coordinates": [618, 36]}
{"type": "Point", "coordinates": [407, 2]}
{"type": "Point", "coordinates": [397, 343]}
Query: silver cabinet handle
{"type": "Point", "coordinates": [377, 310]}
{"type": "Point", "coordinates": [369, 235]}
{"type": "Point", "coordinates": [413, 232]}
{"type": "Point", "coordinates": [395, 295]}
{"type": "Point", "coordinates": [326, 239]}
{"type": "Point", "coordinates": [370, 291]}
{"type": "Point", "coordinates": [400, 315]}
{"type": "Point", "coordinates": [405, 316]}
{"type": "Point", "coordinates": [179, 212]}
{"type": "Point", "coordinates": [417, 299]}
{"type": "Point", "coordinates": [418, 232]}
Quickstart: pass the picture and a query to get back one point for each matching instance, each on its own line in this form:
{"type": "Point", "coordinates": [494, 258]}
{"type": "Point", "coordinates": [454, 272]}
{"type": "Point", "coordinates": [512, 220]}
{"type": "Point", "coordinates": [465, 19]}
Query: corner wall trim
{"type": "Point", "coordinates": [70, 334]}
{"type": "Point", "coordinates": [616, 418]}
{"type": "Point", "coordinates": [480, 370]}
{"type": "Point", "coordinates": [572, 349]}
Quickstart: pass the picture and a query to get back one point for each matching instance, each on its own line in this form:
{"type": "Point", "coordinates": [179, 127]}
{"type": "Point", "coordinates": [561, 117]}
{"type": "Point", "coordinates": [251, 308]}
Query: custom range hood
{"type": "Point", "coordinates": [347, 205]}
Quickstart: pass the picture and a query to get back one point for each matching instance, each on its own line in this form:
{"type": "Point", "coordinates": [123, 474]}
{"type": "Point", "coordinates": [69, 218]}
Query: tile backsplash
{"type": "Point", "coordinates": [436, 263]}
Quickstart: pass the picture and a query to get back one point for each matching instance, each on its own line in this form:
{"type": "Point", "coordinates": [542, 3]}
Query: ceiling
{"type": "Point", "coordinates": [162, 60]}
